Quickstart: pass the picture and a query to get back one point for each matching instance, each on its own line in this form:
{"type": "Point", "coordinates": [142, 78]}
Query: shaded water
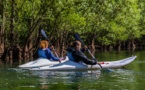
{"type": "Point", "coordinates": [130, 77]}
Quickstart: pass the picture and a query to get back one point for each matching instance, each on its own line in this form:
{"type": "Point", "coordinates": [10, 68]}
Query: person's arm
{"type": "Point", "coordinates": [81, 57]}
{"type": "Point", "coordinates": [51, 55]}
{"type": "Point", "coordinates": [78, 56]}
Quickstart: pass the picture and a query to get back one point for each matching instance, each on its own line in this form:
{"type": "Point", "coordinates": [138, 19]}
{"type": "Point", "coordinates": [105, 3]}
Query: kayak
{"type": "Point", "coordinates": [71, 65]}
{"type": "Point", "coordinates": [40, 62]}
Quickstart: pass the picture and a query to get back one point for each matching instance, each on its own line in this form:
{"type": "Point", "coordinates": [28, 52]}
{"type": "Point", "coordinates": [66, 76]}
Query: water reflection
{"type": "Point", "coordinates": [47, 78]}
{"type": "Point", "coordinates": [91, 79]}
{"type": "Point", "coordinates": [118, 79]}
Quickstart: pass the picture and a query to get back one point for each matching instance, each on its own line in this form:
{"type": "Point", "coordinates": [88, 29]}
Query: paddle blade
{"type": "Point", "coordinates": [77, 37]}
{"type": "Point", "coordinates": [106, 70]}
{"type": "Point", "coordinates": [43, 33]}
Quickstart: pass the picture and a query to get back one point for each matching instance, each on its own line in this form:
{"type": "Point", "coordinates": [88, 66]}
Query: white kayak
{"type": "Point", "coordinates": [70, 65]}
{"type": "Point", "coordinates": [40, 62]}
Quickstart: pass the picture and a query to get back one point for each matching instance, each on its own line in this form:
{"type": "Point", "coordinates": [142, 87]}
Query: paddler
{"type": "Point", "coordinates": [77, 54]}
{"type": "Point", "coordinates": [46, 52]}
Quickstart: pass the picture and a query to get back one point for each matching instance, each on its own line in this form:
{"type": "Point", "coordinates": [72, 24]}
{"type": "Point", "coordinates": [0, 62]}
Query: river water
{"type": "Point", "coordinates": [130, 77]}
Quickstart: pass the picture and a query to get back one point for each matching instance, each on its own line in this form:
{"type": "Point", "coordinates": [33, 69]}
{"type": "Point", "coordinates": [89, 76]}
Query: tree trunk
{"type": "Point", "coordinates": [93, 50]}
{"type": "Point", "coordinates": [105, 48]}
{"type": "Point", "coordinates": [11, 56]}
{"type": "Point", "coordinates": [31, 51]}
{"type": "Point", "coordinates": [2, 28]}
{"type": "Point", "coordinates": [61, 45]}
{"type": "Point", "coordinates": [102, 48]}
{"type": "Point", "coordinates": [129, 45]}
{"type": "Point", "coordinates": [119, 46]}
{"type": "Point", "coordinates": [19, 50]}
{"type": "Point", "coordinates": [11, 38]}
{"type": "Point", "coordinates": [124, 48]}
{"type": "Point", "coordinates": [30, 44]}
{"type": "Point", "coordinates": [110, 48]}
{"type": "Point", "coordinates": [12, 23]}
{"type": "Point", "coordinates": [133, 45]}
{"type": "Point", "coordinates": [26, 54]}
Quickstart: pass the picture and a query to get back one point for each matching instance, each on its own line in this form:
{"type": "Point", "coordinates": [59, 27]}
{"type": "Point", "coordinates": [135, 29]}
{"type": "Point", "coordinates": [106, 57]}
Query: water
{"type": "Point", "coordinates": [130, 77]}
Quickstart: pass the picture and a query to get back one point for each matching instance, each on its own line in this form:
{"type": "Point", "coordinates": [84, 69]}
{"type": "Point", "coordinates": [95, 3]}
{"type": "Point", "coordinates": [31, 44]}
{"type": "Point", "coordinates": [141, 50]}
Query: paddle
{"type": "Point", "coordinates": [77, 37]}
{"type": "Point", "coordinates": [44, 34]}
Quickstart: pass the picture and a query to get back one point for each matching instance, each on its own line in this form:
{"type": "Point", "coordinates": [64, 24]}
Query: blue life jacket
{"type": "Point", "coordinates": [47, 54]}
{"type": "Point", "coordinates": [42, 53]}
{"type": "Point", "coordinates": [69, 54]}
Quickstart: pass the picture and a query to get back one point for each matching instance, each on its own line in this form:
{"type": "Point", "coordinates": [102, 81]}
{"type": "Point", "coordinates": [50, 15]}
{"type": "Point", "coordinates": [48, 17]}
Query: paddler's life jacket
{"type": "Point", "coordinates": [42, 53]}
{"type": "Point", "coordinates": [46, 53]}
{"type": "Point", "coordinates": [69, 54]}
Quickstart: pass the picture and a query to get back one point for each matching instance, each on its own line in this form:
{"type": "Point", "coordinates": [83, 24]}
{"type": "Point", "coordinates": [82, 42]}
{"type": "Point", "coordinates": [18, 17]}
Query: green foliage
{"type": "Point", "coordinates": [111, 20]}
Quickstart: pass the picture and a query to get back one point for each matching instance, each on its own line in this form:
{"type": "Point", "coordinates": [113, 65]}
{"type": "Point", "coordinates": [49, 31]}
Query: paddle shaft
{"type": "Point", "coordinates": [94, 58]}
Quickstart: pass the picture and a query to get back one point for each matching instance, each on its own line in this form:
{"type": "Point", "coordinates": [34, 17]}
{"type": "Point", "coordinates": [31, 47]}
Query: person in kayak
{"type": "Point", "coordinates": [78, 55]}
{"type": "Point", "coordinates": [45, 52]}
{"type": "Point", "coordinates": [70, 50]}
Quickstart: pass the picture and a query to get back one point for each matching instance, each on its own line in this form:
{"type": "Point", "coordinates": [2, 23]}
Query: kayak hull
{"type": "Point", "coordinates": [70, 65]}
{"type": "Point", "coordinates": [40, 62]}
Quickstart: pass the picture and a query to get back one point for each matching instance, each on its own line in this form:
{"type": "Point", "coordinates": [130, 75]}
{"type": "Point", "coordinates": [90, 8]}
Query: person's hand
{"type": "Point", "coordinates": [85, 47]}
{"type": "Point", "coordinates": [61, 59]}
{"type": "Point", "coordinates": [52, 47]}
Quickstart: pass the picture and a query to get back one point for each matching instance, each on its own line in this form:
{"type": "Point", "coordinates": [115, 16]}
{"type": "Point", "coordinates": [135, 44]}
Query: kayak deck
{"type": "Point", "coordinates": [70, 65]}
{"type": "Point", "coordinates": [39, 63]}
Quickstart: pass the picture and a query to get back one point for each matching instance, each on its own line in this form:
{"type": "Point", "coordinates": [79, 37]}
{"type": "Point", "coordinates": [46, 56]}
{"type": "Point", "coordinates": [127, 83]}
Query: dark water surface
{"type": "Point", "coordinates": [130, 77]}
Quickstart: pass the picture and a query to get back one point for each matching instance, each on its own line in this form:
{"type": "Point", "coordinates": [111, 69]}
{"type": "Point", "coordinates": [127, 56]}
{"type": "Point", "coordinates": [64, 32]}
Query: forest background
{"type": "Point", "coordinates": [104, 25]}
